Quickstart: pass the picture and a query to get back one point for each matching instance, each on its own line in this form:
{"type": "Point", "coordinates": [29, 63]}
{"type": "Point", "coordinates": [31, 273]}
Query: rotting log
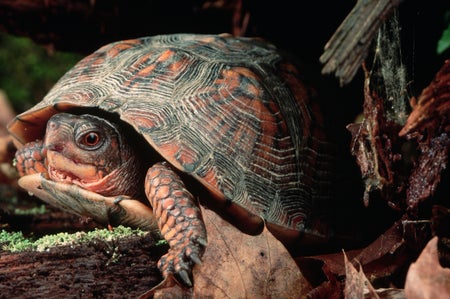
{"type": "Point", "coordinates": [123, 267]}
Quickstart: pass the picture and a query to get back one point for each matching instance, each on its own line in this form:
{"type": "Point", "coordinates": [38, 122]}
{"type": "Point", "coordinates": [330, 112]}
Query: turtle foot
{"type": "Point", "coordinates": [180, 261]}
{"type": "Point", "coordinates": [179, 220]}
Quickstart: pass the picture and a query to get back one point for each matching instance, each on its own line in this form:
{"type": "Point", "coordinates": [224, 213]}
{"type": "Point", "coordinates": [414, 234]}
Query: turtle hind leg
{"type": "Point", "coordinates": [179, 219]}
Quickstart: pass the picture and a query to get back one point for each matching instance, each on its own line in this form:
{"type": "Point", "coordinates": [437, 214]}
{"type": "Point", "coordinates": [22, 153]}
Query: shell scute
{"type": "Point", "coordinates": [112, 50]}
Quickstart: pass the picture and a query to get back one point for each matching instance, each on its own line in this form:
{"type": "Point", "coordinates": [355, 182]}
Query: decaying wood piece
{"type": "Point", "coordinates": [378, 145]}
{"type": "Point", "coordinates": [348, 47]}
{"type": "Point", "coordinates": [120, 268]}
{"type": "Point", "coordinates": [429, 125]}
{"type": "Point", "coordinates": [235, 264]}
{"type": "Point", "coordinates": [431, 110]}
{"type": "Point", "coordinates": [426, 176]}
{"type": "Point", "coordinates": [377, 148]}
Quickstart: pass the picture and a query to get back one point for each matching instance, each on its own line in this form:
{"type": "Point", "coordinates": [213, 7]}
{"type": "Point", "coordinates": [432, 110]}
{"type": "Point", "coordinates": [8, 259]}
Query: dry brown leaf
{"type": "Point", "coordinates": [330, 289]}
{"type": "Point", "coordinates": [237, 265]}
{"type": "Point", "coordinates": [168, 288]}
{"type": "Point", "coordinates": [426, 278]}
{"type": "Point", "coordinates": [356, 282]}
{"type": "Point", "coordinates": [358, 286]}
{"type": "Point", "coordinates": [380, 258]}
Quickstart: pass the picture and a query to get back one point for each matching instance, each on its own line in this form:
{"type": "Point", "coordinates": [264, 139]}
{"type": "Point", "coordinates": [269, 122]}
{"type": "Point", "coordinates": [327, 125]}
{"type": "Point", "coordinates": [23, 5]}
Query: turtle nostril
{"type": "Point", "coordinates": [58, 147]}
{"type": "Point", "coordinates": [52, 125]}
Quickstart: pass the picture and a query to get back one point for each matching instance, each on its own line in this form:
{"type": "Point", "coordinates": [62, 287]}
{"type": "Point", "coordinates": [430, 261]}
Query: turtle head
{"type": "Point", "coordinates": [91, 152]}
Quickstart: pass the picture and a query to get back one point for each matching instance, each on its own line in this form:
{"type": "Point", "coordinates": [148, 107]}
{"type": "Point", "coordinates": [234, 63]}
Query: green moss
{"type": "Point", "coordinates": [33, 211]}
{"type": "Point", "coordinates": [15, 241]}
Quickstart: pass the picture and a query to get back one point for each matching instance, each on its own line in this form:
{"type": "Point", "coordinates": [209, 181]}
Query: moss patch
{"type": "Point", "coordinates": [39, 210]}
{"type": "Point", "coordinates": [15, 241]}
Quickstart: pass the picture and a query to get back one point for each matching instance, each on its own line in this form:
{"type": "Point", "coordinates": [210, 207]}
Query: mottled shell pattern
{"type": "Point", "coordinates": [229, 111]}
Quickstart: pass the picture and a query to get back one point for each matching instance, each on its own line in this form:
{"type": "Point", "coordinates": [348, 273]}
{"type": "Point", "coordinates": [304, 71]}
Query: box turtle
{"type": "Point", "coordinates": [142, 131]}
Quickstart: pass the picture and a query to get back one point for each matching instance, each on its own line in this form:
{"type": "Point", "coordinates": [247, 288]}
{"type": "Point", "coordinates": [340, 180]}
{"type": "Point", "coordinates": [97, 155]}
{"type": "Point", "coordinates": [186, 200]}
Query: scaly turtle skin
{"type": "Point", "coordinates": [142, 121]}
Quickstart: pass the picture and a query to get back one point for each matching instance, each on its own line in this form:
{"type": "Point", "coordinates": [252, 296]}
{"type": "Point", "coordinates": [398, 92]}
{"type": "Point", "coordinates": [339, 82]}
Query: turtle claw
{"type": "Point", "coordinates": [184, 276]}
{"type": "Point", "coordinates": [180, 261]}
{"type": "Point", "coordinates": [196, 259]}
{"type": "Point", "coordinates": [118, 199]}
{"type": "Point", "coordinates": [202, 241]}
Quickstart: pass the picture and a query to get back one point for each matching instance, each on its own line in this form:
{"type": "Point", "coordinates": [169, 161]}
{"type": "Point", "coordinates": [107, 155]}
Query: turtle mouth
{"type": "Point", "coordinates": [62, 176]}
{"type": "Point", "coordinates": [66, 170]}
{"type": "Point", "coordinates": [63, 169]}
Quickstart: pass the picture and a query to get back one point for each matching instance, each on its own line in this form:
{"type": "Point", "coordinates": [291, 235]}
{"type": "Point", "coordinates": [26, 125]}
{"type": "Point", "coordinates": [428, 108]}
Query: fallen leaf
{"type": "Point", "coordinates": [426, 278]}
{"type": "Point", "coordinates": [237, 265]}
{"type": "Point", "coordinates": [168, 288]}
{"type": "Point", "coordinates": [379, 259]}
{"type": "Point", "coordinates": [356, 282]}
{"type": "Point", "coordinates": [358, 286]}
{"type": "Point", "coordinates": [440, 225]}
{"type": "Point", "coordinates": [330, 289]}
{"type": "Point", "coordinates": [384, 258]}
{"type": "Point", "coordinates": [429, 125]}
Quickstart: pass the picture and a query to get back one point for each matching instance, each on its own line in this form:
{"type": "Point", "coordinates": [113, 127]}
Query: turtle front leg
{"type": "Point", "coordinates": [30, 159]}
{"type": "Point", "coordinates": [179, 219]}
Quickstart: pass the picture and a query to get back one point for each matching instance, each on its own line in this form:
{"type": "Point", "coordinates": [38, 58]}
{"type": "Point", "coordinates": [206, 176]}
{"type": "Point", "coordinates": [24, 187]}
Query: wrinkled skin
{"type": "Point", "coordinates": [89, 152]}
{"type": "Point", "coordinates": [96, 155]}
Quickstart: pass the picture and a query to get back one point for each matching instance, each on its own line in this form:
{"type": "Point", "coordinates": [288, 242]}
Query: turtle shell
{"type": "Point", "coordinates": [231, 112]}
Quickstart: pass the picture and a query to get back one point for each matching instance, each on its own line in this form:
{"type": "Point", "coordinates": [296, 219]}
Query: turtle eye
{"type": "Point", "coordinates": [91, 140]}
